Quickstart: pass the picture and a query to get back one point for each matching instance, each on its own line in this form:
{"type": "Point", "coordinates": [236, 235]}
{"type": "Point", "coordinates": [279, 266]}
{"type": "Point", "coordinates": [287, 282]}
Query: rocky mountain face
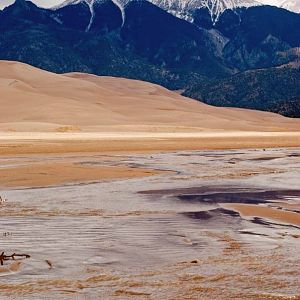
{"type": "Point", "coordinates": [142, 41]}
{"type": "Point", "coordinates": [262, 38]}
{"type": "Point", "coordinates": [151, 44]}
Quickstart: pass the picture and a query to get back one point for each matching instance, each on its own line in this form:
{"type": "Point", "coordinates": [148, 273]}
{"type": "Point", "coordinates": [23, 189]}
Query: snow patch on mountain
{"type": "Point", "coordinates": [122, 9]}
{"type": "Point", "coordinates": [91, 7]}
{"type": "Point", "coordinates": [292, 5]}
{"type": "Point", "coordinates": [91, 4]}
{"type": "Point", "coordinates": [186, 8]}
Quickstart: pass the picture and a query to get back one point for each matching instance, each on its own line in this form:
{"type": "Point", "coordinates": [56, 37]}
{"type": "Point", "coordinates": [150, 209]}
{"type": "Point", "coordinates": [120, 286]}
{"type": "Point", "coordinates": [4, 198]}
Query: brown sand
{"type": "Point", "coordinates": [277, 215]}
{"type": "Point", "coordinates": [34, 100]}
{"type": "Point", "coordinates": [288, 206]}
{"type": "Point", "coordinates": [54, 173]}
{"type": "Point", "coordinates": [13, 267]}
{"type": "Point", "coordinates": [68, 144]}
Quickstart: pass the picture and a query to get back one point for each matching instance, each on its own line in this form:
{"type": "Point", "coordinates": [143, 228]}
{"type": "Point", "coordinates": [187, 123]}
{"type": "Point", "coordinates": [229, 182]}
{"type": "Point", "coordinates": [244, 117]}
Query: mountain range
{"type": "Point", "coordinates": [229, 53]}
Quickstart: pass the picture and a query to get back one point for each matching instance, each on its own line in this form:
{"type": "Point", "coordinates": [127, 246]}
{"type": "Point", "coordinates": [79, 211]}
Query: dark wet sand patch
{"type": "Point", "coordinates": [256, 206]}
{"type": "Point", "coordinates": [271, 224]}
{"type": "Point", "coordinates": [249, 198]}
{"type": "Point", "coordinates": [225, 194]}
{"type": "Point", "coordinates": [252, 233]}
{"type": "Point", "coordinates": [293, 155]}
{"type": "Point", "coordinates": [212, 155]}
{"type": "Point", "coordinates": [265, 158]}
{"type": "Point", "coordinates": [210, 214]}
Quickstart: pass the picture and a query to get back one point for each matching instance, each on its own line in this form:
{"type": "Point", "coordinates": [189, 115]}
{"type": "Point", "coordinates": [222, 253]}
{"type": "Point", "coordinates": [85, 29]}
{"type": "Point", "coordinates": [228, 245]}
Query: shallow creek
{"type": "Point", "coordinates": [167, 236]}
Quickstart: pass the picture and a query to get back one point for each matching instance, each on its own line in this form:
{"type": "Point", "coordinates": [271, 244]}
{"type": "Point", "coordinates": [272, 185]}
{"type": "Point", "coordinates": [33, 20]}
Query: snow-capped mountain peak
{"type": "Point", "coordinates": [74, 2]}
{"type": "Point", "coordinates": [183, 9]}
{"type": "Point", "coordinates": [292, 5]}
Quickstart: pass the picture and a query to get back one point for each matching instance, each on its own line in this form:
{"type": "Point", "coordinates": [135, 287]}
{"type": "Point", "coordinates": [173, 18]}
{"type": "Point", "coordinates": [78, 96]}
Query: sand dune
{"type": "Point", "coordinates": [34, 100]}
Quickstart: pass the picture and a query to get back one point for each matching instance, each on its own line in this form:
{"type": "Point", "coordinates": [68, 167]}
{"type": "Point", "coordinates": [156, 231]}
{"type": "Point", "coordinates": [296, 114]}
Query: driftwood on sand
{"type": "Point", "coordinates": [14, 256]}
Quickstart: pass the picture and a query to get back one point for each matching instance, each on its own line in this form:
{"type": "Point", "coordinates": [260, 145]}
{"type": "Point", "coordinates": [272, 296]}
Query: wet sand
{"type": "Point", "coordinates": [274, 214]}
{"type": "Point", "coordinates": [57, 172]}
{"type": "Point", "coordinates": [177, 234]}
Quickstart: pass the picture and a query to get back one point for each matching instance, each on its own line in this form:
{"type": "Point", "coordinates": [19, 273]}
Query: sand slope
{"type": "Point", "coordinates": [36, 100]}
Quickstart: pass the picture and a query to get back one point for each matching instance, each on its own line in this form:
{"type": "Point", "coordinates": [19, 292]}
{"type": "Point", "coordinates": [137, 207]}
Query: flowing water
{"type": "Point", "coordinates": [166, 236]}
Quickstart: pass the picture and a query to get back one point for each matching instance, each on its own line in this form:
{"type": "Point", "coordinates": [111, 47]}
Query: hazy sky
{"type": "Point", "coordinates": [49, 3]}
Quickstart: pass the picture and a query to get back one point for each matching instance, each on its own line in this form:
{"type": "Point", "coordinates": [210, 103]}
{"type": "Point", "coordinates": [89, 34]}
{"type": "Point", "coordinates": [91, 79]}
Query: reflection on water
{"type": "Point", "coordinates": [159, 237]}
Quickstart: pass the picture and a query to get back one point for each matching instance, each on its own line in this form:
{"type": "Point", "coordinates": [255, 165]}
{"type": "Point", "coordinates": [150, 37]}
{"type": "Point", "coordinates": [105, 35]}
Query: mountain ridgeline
{"type": "Point", "coordinates": [234, 59]}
